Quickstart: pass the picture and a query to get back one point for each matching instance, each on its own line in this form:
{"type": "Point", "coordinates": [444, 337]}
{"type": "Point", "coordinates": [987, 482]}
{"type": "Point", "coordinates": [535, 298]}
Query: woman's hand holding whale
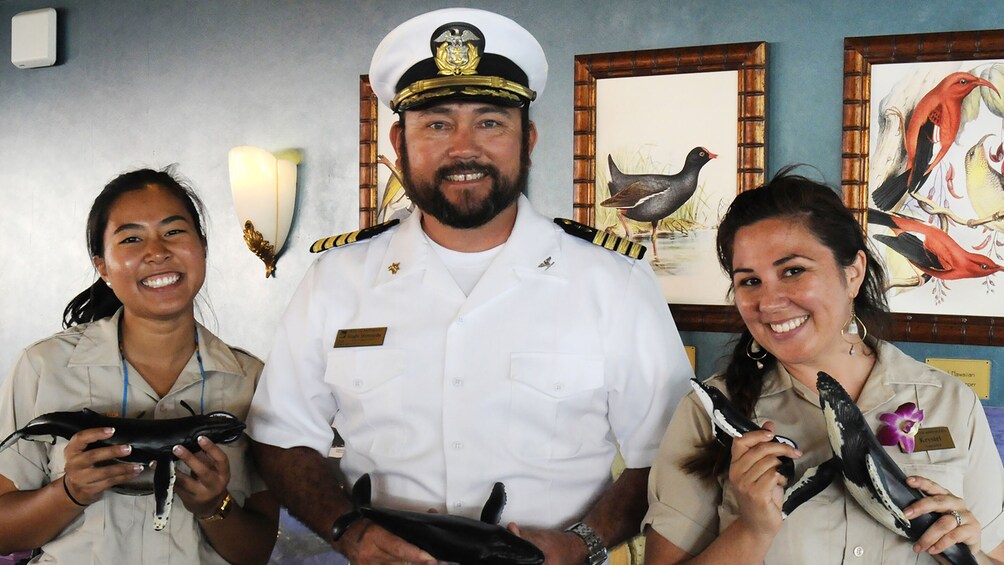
{"type": "Point", "coordinates": [204, 489]}
{"type": "Point", "coordinates": [88, 474]}
{"type": "Point", "coordinates": [947, 530]}
{"type": "Point", "coordinates": [760, 488]}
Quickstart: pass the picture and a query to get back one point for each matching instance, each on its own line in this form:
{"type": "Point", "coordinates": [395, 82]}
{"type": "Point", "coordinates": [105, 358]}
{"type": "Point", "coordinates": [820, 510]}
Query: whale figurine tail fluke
{"type": "Point", "coordinates": [446, 537]}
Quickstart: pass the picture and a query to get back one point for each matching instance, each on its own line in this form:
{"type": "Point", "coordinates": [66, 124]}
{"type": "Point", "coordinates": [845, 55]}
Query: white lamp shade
{"type": "Point", "coordinates": [264, 191]}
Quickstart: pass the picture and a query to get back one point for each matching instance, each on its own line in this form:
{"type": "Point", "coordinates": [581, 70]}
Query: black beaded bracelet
{"type": "Point", "coordinates": [73, 500]}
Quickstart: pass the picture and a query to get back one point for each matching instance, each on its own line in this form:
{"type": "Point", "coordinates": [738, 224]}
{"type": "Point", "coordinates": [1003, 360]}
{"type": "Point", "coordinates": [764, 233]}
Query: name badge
{"type": "Point", "coordinates": [360, 337]}
{"type": "Point", "coordinates": [931, 439]}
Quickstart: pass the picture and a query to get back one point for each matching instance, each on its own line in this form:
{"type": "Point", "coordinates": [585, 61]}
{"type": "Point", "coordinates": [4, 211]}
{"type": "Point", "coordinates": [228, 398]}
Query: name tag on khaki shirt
{"type": "Point", "coordinates": [360, 337]}
{"type": "Point", "coordinates": [930, 439]}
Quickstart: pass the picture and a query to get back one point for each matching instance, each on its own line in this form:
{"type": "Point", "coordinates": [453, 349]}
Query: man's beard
{"type": "Point", "coordinates": [471, 213]}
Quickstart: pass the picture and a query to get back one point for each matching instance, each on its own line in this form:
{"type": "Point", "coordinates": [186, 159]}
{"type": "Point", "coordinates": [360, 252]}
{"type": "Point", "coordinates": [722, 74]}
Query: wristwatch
{"type": "Point", "coordinates": [225, 507]}
{"type": "Point", "coordinates": [594, 545]}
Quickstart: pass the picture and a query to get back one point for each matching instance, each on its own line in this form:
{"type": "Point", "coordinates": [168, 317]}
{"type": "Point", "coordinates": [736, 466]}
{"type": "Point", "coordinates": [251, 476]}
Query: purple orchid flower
{"type": "Point", "coordinates": [901, 426]}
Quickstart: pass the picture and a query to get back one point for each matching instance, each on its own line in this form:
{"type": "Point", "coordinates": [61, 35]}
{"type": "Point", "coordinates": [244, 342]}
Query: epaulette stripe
{"type": "Point", "coordinates": [637, 250]}
{"type": "Point", "coordinates": [351, 237]}
{"type": "Point", "coordinates": [603, 239]}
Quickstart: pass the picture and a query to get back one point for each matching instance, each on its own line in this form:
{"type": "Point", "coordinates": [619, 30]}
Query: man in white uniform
{"type": "Point", "coordinates": [477, 341]}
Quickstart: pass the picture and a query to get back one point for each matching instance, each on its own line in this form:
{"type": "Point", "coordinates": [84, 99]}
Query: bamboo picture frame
{"type": "Point", "coordinates": [749, 63]}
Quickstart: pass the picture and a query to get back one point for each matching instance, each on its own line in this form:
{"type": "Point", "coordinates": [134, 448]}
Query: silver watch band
{"type": "Point", "coordinates": [594, 545]}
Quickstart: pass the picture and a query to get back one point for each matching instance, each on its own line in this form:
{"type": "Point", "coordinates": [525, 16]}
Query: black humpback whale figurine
{"type": "Point", "coordinates": [447, 538]}
{"type": "Point", "coordinates": [728, 423]}
{"type": "Point", "coordinates": [151, 440]}
{"type": "Point", "coordinates": [870, 476]}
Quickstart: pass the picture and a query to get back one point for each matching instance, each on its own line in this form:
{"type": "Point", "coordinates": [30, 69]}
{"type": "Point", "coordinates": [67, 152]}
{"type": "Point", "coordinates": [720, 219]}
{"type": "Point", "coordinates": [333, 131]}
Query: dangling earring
{"type": "Point", "coordinates": [854, 331]}
{"type": "Point", "coordinates": [756, 353]}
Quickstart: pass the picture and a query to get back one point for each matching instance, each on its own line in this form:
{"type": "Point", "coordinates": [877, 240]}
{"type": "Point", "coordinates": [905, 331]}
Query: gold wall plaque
{"type": "Point", "coordinates": [973, 372]}
{"type": "Point", "coordinates": [692, 355]}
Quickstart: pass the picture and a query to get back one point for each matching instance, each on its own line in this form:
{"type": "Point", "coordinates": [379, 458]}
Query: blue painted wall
{"type": "Point", "coordinates": [148, 83]}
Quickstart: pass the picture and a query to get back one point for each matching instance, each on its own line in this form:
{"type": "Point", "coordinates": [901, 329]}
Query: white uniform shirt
{"type": "Point", "coordinates": [562, 350]}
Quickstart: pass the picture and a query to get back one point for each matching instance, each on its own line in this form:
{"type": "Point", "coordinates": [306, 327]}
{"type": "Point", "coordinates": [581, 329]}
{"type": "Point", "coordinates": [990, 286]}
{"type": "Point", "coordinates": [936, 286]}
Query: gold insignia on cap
{"type": "Point", "coordinates": [394, 268]}
{"type": "Point", "coordinates": [457, 53]}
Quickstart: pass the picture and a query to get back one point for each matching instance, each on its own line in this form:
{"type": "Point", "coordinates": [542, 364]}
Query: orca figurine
{"type": "Point", "coordinates": [447, 538]}
{"type": "Point", "coordinates": [869, 474]}
{"type": "Point", "coordinates": [151, 440]}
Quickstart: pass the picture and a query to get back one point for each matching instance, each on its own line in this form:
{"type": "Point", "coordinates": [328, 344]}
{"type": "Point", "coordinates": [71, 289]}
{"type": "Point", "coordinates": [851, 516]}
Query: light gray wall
{"type": "Point", "coordinates": [149, 83]}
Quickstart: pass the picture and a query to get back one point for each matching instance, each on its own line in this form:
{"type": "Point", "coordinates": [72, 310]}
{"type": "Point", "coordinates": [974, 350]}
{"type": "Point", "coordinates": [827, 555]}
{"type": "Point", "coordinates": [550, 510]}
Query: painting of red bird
{"type": "Point", "coordinates": [929, 249]}
{"type": "Point", "coordinates": [935, 120]}
{"type": "Point", "coordinates": [935, 188]}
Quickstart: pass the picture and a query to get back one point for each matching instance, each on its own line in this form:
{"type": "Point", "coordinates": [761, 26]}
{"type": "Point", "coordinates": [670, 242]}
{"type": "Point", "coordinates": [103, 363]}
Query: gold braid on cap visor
{"type": "Point", "coordinates": [498, 87]}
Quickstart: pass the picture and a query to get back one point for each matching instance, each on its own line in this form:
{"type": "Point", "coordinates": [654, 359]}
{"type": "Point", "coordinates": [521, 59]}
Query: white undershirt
{"type": "Point", "coordinates": [465, 268]}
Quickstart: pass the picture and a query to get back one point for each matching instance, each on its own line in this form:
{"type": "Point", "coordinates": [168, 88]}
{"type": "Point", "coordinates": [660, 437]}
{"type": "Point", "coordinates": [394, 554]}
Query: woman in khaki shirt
{"type": "Point", "coordinates": [133, 348]}
{"type": "Point", "coordinates": [804, 280]}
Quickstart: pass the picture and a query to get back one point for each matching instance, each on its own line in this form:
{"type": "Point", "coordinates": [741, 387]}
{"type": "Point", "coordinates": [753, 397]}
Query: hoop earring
{"type": "Point", "coordinates": [756, 353]}
{"type": "Point", "coordinates": [854, 331]}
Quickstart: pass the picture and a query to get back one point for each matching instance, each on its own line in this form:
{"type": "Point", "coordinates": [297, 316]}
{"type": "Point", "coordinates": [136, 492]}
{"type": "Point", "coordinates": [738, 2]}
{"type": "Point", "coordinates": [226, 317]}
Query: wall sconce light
{"type": "Point", "coordinates": [264, 191]}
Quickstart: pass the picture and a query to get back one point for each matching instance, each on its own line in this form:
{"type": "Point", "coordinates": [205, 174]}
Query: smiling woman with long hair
{"type": "Point", "coordinates": [133, 348]}
{"type": "Point", "coordinates": [811, 295]}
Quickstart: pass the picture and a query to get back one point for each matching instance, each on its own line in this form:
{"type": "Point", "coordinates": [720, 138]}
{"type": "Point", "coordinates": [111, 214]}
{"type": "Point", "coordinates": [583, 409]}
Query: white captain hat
{"type": "Point", "coordinates": [458, 53]}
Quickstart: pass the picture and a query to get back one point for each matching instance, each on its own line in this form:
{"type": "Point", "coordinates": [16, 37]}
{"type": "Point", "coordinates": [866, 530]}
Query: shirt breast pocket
{"type": "Point", "coordinates": [557, 403]}
{"type": "Point", "coordinates": [366, 385]}
{"type": "Point", "coordinates": [949, 476]}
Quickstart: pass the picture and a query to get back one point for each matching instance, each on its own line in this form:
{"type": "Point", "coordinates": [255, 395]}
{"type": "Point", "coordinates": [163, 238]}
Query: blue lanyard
{"type": "Point", "coordinates": [125, 373]}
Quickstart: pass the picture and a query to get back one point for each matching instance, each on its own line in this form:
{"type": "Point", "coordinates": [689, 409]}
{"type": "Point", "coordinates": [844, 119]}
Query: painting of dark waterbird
{"type": "Point", "coordinates": [151, 441]}
{"type": "Point", "coordinates": [652, 197]}
{"type": "Point", "coordinates": [454, 539]}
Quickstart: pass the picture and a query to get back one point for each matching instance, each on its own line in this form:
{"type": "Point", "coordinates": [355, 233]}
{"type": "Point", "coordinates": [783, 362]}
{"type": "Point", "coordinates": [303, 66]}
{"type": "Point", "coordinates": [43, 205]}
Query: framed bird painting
{"type": "Point", "coordinates": [381, 193]}
{"type": "Point", "coordinates": [664, 140]}
{"type": "Point", "coordinates": [923, 148]}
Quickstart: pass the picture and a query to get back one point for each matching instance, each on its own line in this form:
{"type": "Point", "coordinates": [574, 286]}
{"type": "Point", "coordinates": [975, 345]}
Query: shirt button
{"type": "Point", "coordinates": [458, 382]}
{"type": "Point", "coordinates": [458, 445]}
{"type": "Point", "coordinates": [859, 551]}
{"type": "Point", "coordinates": [458, 504]}
{"type": "Point", "coordinates": [559, 386]}
{"type": "Point", "coordinates": [357, 383]}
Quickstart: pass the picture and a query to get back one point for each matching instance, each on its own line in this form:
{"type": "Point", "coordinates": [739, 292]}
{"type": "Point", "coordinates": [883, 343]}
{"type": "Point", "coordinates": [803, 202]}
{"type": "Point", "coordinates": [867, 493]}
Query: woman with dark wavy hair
{"type": "Point", "coordinates": [133, 348]}
{"type": "Point", "coordinates": [811, 294]}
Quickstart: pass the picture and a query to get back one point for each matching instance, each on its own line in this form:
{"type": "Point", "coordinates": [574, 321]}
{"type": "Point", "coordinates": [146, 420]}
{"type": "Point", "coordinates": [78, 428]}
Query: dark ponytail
{"type": "Point", "coordinates": [99, 300]}
{"type": "Point", "coordinates": [817, 208]}
{"type": "Point", "coordinates": [95, 302]}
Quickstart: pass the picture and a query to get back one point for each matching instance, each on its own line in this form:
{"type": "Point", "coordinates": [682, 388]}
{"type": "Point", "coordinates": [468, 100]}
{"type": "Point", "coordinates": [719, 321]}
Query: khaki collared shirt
{"type": "Point", "coordinates": [832, 527]}
{"type": "Point", "coordinates": [82, 368]}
